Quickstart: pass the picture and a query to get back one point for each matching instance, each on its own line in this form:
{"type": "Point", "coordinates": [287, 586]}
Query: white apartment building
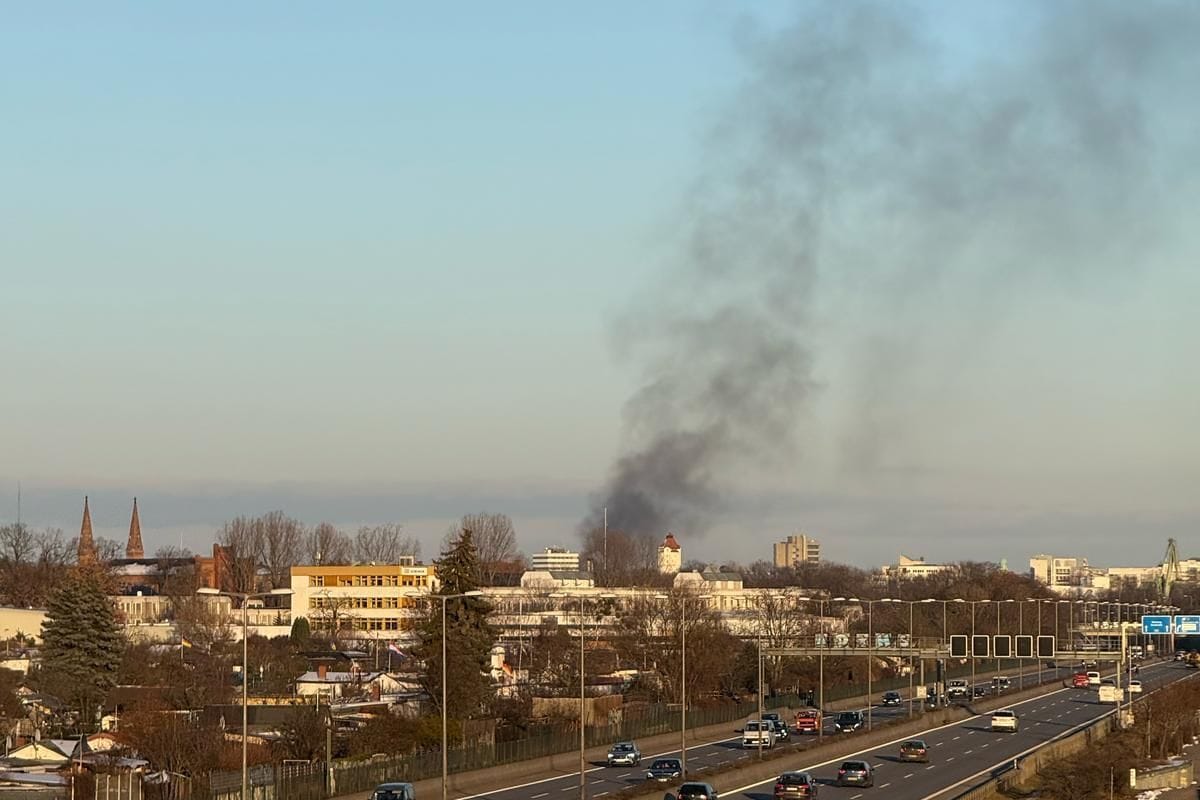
{"type": "Point", "coordinates": [555, 559]}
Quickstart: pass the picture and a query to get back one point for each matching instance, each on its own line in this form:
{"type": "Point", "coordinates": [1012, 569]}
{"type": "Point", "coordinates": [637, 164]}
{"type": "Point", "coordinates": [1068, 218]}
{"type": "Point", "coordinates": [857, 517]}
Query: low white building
{"type": "Point", "coordinates": [354, 683]}
{"type": "Point", "coordinates": [549, 580]}
{"type": "Point", "coordinates": [906, 568]}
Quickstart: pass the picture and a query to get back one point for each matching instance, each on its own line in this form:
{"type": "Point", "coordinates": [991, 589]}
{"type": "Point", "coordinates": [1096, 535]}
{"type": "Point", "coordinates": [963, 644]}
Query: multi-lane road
{"type": "Point", "coordinates": [957, 751]}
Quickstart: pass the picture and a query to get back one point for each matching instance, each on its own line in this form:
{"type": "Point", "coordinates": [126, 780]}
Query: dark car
{"type": "Point", "coordinates": [795, 784]}
{"type": "Point", "coordinates": [914, 750]}
{"type": "Point", "coordinates": [393, 791]}
{"type": "Point", "coordinates": [781, 729]}
{"type": "Point", "coordinates": [696, 791]}
{"type": "Point", "coordinates": [892, 699]}
{"type": "Point", "coordinates": [624, 754]}
{"type": "Point", "coordinates": [981, 691]}
{"type": "Point", "coordinates": [664, 769]}
{"type": "Point", "coordinates": [855, 773]}
{"type": "Point", "coordinates": [848, 721]}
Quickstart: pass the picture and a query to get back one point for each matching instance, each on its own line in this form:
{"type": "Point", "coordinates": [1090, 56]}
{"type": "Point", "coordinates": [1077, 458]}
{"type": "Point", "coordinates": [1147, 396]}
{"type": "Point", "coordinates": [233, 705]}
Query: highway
{"type": "Point", "coordinates": [603, 781]}
{"type": "Point", "coordinates": [963, 750]}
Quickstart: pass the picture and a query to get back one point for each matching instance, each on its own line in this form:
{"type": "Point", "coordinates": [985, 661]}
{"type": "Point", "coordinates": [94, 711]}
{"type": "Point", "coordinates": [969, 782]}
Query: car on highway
{"type": "Point", "coordinates": [696, 791]}
{"type": "Point", "coordinates": [855, 773]}
{"type": "Point", "coordinates": [781, 729]}
{"type": "Point", "coordinates": [624, 754]}
{"type": "Point", "coordinates": [795, 784]}
{"type": "Point", "coordinates": [980, 691]}
{"type": "Point", "coordinates": [1001, 683]}
{"type": "Point", "coordinates": [891, 699]}
{"type": "Point", "coordinates": [1079, 680]}
{"type": "Point", "coordinates": [848, 721]}
{"type": "Point", "coordinates": [1093, 678]}
{"type": "Point", "coordinates": [914, 750]}
{"type": "Point", "coordinates": [1108, 681]}
{"type": "Point", "coordinates": [957, 688]}
{"type": "Point", "coordinates": [1004, 720]}
{"type": "Point", "coordinates": [1135, 687]}
{"type": "Point", "coordinates": [808, 720]}
{"type": "Point", "coordinates": [664, 769]}
{"type": "Point", "coordinates": [393, 791]}
{"type": "Point", "coordinates": [758, 735]}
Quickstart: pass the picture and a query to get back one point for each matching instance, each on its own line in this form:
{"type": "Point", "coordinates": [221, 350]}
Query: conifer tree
{"type": "Point", "coordinates": [469, 637]}
{"type": "Point", "coordinates": [81, 644]}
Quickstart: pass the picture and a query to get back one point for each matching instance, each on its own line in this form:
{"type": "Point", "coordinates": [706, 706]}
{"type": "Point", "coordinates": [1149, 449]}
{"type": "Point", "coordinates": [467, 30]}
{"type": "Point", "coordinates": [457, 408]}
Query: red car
{"type": "Point", "coordinates": [1080, 680]}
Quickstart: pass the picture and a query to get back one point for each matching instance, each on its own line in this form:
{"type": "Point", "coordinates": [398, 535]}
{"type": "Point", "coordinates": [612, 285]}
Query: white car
{"type": "Point", "coordinates": [1093, 678]}
{"type": "Point", "coordinates": [1004, 721]}
{"type": "Point", "coordinates": [1135, 687]}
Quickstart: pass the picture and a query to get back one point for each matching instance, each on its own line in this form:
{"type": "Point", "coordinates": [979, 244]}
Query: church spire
{"type": "Point", "coordinates": [87, 545]}
{"type": "Point", "coordinates": [133, 548]}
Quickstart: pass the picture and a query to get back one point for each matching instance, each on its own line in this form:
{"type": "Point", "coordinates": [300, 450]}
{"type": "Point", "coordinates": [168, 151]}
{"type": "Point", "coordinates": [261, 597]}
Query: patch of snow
{"type": "Point", "coordinates": [1150, 794]}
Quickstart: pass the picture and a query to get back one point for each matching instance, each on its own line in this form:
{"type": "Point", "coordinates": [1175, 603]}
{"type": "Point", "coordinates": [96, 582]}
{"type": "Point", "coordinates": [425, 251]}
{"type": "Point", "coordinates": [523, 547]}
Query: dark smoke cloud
{"type": "Point", "coordinates": [861, 158]}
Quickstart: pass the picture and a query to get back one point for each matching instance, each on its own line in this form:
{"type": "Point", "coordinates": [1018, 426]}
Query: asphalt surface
{"type": "Point", "coordinates": [603, 780]}
{"type": "Point", "coordinates": [961, 751]}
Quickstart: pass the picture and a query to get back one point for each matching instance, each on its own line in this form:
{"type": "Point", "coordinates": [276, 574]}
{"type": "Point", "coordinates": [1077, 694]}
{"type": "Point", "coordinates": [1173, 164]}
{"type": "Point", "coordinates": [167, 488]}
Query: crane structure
{"type": "Point", "coordinates": [1170, 571]}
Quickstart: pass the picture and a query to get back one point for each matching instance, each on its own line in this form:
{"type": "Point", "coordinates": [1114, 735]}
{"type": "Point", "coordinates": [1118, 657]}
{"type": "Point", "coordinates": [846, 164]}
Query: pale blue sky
{"type": "Point", "coordinates": [362, 263]}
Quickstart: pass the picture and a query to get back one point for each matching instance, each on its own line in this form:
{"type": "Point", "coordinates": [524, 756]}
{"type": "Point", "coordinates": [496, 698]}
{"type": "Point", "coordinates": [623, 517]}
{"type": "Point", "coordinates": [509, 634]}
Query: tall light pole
{"type": "Point", "coordinates": [245, 597]}
{"type": "Point", "coordinates": [445, 738]}
{"type": "Point", "coordinates": [683, 599]}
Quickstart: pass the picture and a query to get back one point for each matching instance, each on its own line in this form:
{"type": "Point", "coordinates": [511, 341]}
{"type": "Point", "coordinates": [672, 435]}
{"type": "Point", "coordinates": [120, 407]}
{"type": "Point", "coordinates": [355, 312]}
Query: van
{"type": "Point", "coordinates": [1093, 678]}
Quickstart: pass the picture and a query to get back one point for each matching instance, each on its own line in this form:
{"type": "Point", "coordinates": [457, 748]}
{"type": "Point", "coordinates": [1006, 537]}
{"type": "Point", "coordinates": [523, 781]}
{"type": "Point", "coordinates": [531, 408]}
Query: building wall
{"type": "Point", "coordinates": [27, 621]}
{"type": "Point", "coordinates": [669, 561]}
{"type": "Point", "coordinates": [554, 559]}
{"type": "Point", "coordinates": [797, 549]}
{"type": "Point", "coordinates": [377, 601]}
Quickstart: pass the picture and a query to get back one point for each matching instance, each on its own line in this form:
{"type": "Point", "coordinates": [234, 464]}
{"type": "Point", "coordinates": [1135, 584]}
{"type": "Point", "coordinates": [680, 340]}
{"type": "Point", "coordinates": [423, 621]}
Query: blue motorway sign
{"type": "Point", "coordinates": [1187, 623]}
{"type": "Point", "coordinates": [1156, 623]}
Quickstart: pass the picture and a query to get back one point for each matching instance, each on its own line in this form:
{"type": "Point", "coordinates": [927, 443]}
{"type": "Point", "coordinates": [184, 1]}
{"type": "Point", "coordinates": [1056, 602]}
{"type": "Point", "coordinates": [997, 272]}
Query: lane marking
{"type": "Point", "coordinates": [931, 766]}
{"type": "Point", "coordinates": [909, 775]}
{"type": "Point", "coordinates": [543, 794]}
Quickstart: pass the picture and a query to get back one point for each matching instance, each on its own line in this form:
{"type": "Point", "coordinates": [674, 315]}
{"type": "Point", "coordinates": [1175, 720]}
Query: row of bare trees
{"type": "Point", "coordinates": [262, 550]}
{"type": "Point", "coordinates": [34, 563]}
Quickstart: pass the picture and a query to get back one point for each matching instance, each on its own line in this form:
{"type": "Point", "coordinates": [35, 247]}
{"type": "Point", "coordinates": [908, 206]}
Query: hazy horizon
{"type": "Point", "coordinates": [906, 278]}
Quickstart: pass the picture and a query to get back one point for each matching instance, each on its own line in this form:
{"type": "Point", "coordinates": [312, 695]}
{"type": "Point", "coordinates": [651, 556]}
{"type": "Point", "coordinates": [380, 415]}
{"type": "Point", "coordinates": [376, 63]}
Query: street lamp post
{"type": "Point", "coordinates": [683, 678]}
{"type": "Point", "coordinates": [445, 738]}
{"type": "Point", "coordinates": [245, 597]}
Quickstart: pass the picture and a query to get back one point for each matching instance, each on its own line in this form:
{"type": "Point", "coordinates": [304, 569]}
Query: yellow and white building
{"type": "Point", "coordinates": [375, 601]}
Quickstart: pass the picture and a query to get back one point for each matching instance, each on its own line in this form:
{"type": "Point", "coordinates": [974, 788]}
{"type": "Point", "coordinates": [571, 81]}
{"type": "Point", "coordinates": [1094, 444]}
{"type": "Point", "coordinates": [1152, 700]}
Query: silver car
{"type": "Point", "coordinates": [624, 754]}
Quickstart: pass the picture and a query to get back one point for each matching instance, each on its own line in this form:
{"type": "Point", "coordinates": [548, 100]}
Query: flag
{"type": "Point", "coordinates": [185, 643]}
{"type": "Point", "coordinates": [395, 648]}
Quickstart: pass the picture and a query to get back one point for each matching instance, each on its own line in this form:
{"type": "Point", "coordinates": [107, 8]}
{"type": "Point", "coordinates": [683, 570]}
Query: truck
{"type": "Point", "coordinates": [808, 720]}
{"type": "Point", "coordinates": [758, 735]}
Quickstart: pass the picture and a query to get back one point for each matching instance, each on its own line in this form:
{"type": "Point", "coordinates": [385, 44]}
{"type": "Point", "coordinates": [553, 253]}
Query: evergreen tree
{"type": "Point", "coordinates": [301, 632]}
{"type": "Point", "coordinates": [469, 637]}
{"type": "Point", "coordinates": [82, 645]}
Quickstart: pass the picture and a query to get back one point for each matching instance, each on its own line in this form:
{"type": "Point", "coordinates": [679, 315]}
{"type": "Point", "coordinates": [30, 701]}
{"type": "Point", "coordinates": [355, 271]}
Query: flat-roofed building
{"type": "Point", "coordinates": [374, 601]}
{"type": "Point", "coordinates": [796, 550]}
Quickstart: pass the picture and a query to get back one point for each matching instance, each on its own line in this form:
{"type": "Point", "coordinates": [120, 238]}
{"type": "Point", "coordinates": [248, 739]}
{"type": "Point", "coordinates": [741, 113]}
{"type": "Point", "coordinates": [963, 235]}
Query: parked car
{"type": "Point", "coordinates": [848, 721]}
{"type": "Point", "coordinates": [664, 769]}
{"type": "Point", "coordinates": [795, 784]}
{"type": "Point", "coordinates": [1004, 721]}
{"type": "Point", "coordinates": [393, 791]}
{"type": "Point", "coordinates": [808, 720]}
{"type": "Point", "coordinates": [696, 791]}
{"type": "Point", "coordinates": [891, 699]}
{"type": "Point", "coordinates": [855, 773]}
{"type": "Point", "coordinates": [1135, 687]}
{"type": "Point", "coordinates": [914, 750]}
{"type": "Point", "coordinates": [624, 754]}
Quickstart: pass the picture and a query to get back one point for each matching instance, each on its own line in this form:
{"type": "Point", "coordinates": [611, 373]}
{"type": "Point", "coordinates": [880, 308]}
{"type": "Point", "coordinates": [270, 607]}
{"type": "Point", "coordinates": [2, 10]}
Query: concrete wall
{"type": "Point", "coordinates": [27, 621]}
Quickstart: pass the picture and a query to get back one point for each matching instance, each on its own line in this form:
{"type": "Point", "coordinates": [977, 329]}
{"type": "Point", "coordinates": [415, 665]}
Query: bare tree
{"type": "Point", "coordinates": [325, 544]}
{"type": "Point", "coordinates": [18, 544]}
{"type": "Point", "coordinates": [240, 541]}
{"type": "Point", "coordinates": [384, 544]}
{"type": "Point", "coordinates": [621, 559]}
{"type": "Point", "coordinates": [282, 541]}
{"type": "Point", "coordinates": [332, 616]}
{"type": "Point", "coordinates": [495, 542]}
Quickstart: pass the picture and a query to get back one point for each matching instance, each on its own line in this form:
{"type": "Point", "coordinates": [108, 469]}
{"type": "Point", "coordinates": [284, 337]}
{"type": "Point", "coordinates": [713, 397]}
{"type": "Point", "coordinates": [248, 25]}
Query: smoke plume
{"type": "Point", "coordinates": [875, 150]}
